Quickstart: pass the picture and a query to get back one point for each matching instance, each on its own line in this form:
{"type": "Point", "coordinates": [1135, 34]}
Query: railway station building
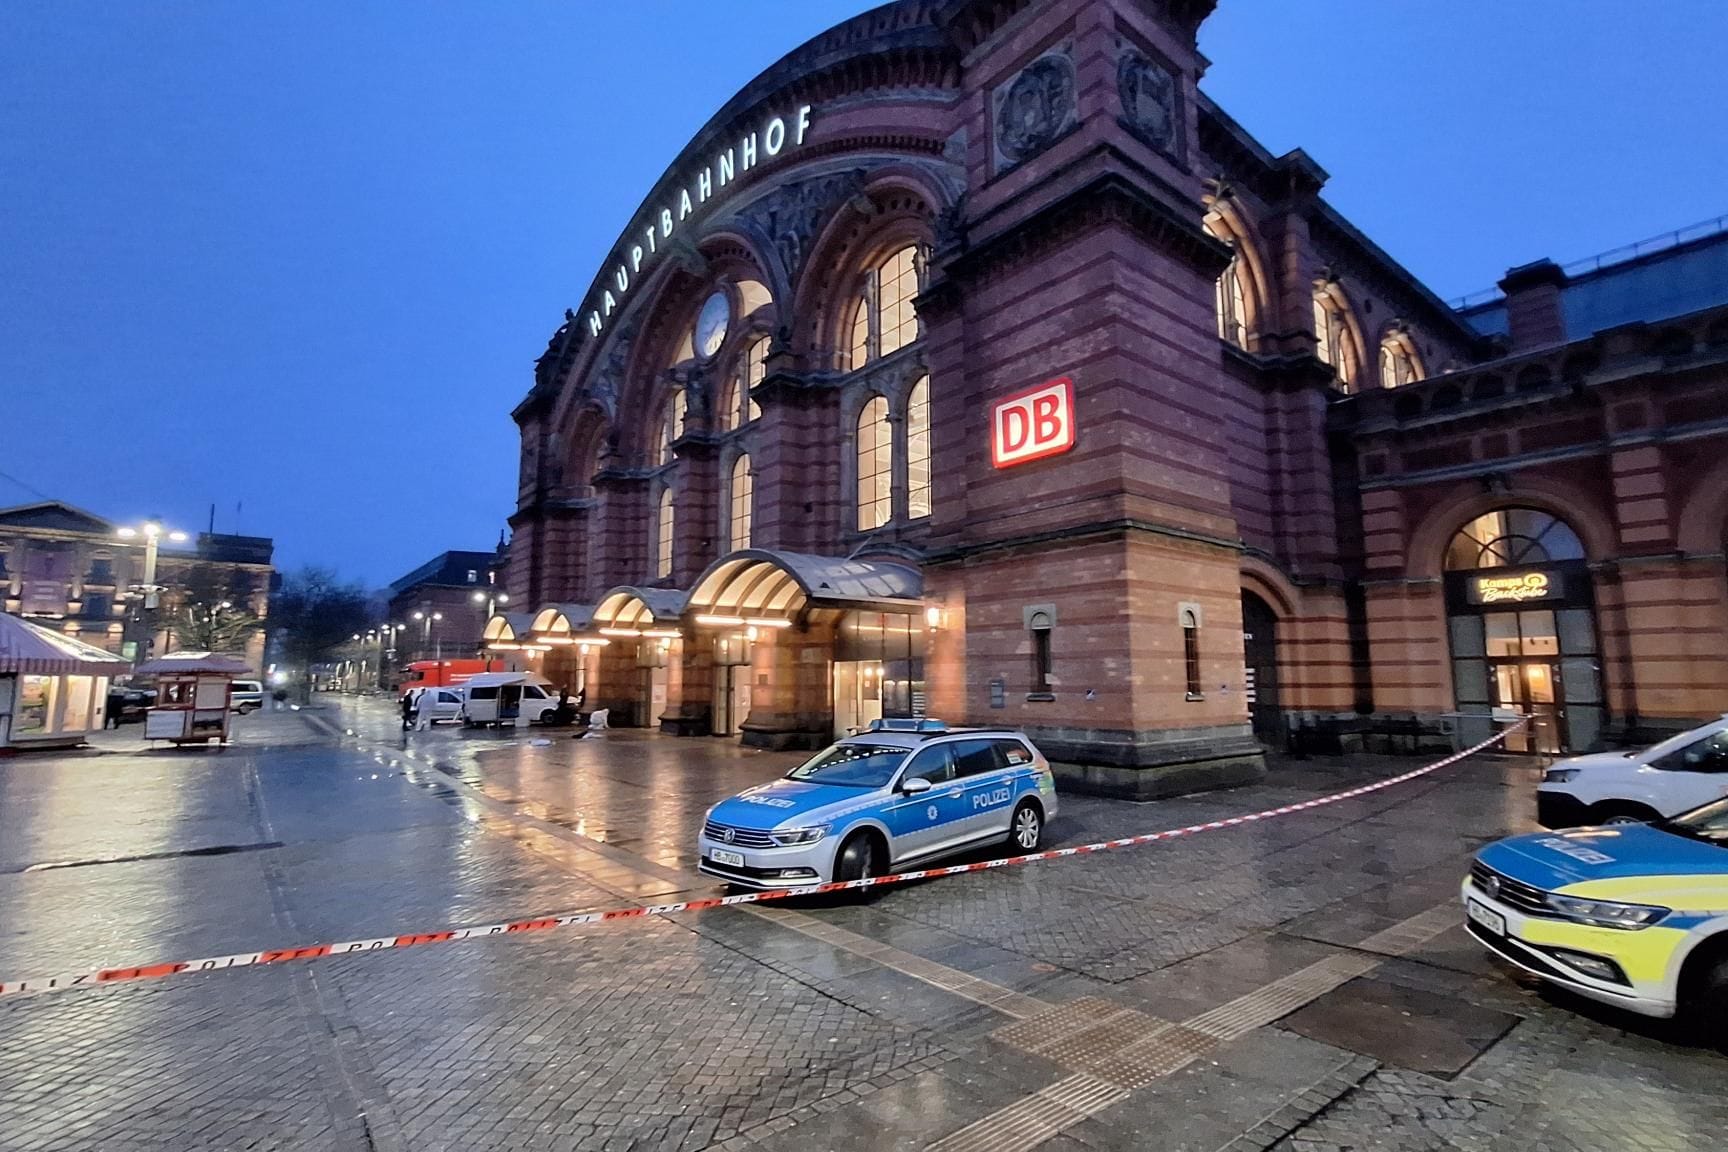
{"type": "Point", "coordinates": [972, 363]}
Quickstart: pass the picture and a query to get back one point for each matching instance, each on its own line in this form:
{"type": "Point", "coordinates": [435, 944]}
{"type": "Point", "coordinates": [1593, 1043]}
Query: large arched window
{"type": "Point", "coordinates": [875, 465]}
{"type": "Point", "coordinates": [1398, 364]}
{"type": "Point", "coordinates": [743, 496]}
{"type": "Point", "coordinates": [883, 319]}
{"type": "Point", "coordinates": [1511, 537]}
{"type": "Point", "coordinates": [664, 527]}
{"type": "Point", "coordinates": [671, 425]}
{"type": "Point", "coordinates": [918, 449]}
{"type": "Point", "coordinates": [755, 369]}
{"type": "Point", "coordinates": [1333, 341]}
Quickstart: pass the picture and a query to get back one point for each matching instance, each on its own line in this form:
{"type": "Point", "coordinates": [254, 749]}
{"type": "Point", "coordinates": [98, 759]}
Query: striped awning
{"type": "Point", "coordinates": [28, 648]}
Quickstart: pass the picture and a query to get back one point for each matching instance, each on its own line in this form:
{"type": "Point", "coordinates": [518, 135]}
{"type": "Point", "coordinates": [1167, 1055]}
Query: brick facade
{"type": "Point", "coordinates": [1074, 199]}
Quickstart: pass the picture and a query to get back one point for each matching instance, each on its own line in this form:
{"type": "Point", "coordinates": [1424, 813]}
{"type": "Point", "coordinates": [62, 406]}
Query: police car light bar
{"type": "Point", "coordinates": [905, 724]}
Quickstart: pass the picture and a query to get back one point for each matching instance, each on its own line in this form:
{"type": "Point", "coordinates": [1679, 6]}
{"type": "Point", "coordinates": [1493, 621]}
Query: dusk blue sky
{"type": "Point", "coordinates": [301, 256]}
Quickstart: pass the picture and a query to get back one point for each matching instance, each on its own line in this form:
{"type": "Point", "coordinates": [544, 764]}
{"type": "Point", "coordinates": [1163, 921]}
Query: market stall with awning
{"type": "Point", "coordinates": [53, 687]}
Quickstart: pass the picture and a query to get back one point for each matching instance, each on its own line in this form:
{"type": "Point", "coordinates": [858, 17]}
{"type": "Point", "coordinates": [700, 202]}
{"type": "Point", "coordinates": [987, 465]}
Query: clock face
{"type": "Point", "coordinates": [711, 324]}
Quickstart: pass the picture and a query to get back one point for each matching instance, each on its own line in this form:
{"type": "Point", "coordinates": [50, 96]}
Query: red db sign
{"type": "Point", "coordinates": [1033, 424]}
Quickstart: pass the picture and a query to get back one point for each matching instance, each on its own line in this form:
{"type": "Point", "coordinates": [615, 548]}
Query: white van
{"type": "Point", "coordinates": [502, 697]}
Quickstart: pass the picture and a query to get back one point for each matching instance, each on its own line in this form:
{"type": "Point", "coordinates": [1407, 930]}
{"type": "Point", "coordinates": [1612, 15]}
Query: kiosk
{"type": "Point", "coordinates": [53, 687]}
{"type": "Point", "coordinates": [192, 696]}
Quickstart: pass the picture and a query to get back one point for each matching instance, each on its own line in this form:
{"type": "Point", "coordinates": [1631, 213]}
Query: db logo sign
{"type": "Point", "coordinates": [1033, 424]}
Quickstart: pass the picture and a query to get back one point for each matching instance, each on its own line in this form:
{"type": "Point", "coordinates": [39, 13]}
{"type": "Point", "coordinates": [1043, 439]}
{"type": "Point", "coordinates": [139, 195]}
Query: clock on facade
{"type": "Point", "coordinates": [711, 324]}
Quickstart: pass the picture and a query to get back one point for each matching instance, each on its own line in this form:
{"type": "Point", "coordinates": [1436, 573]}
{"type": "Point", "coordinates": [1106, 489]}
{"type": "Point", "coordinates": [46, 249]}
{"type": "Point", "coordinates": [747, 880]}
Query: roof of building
{"type": "Point", "coordinates": [55, 516]}
{"type": "Point", "coordinates": [30, 649]}
{"type": "Point", "coordinates": [758, 580]}
{"type": "Point", "coordinates": [450, 568]}
{"type": "Point", "coordinates": [1671, 275]}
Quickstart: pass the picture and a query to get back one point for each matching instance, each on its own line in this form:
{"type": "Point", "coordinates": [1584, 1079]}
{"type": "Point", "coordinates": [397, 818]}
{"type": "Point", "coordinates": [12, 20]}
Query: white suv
{"type": "Point", "coordinates": [1666, 779]}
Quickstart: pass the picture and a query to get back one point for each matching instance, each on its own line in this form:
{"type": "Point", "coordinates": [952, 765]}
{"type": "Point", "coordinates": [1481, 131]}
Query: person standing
{"type": "Point", "coordinates": [425, 706]}
{"type": "Point", "coordinates": [407, 709]}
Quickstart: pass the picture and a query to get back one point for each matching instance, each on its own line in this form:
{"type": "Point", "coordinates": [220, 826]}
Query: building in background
{"type": "Point", "coordinates": [439, 610]}
{"type": "Point", "coordinates": [972, 360]}
{"type": "Point", "coordinates": [84, 575]}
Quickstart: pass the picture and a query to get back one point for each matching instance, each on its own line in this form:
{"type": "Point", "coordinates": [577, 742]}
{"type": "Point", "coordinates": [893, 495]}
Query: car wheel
{"type": "Point", "coordinates": [859, 858]}
{"type": "Point", "coordinates": [1026, 830]}
{"type": "Point", "coordinates": [1622, 812]}
{"type": "Point", "coordinates": [1710, 1005]}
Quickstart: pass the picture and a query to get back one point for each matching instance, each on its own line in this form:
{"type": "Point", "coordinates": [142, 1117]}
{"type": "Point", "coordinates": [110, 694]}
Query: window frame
{"type": "Point", "coordinates": [866, 313]}
{"type": "Point", "coordinates": [919, 495]}
{"type": "Point", "coordinates": [741, 468]}
{"type": "Point", "coordinates": [665, 533]}
{"type": "Point", "coordinates": [1190, 621]}
{"type": "Point", "coordinates": [881, 455]}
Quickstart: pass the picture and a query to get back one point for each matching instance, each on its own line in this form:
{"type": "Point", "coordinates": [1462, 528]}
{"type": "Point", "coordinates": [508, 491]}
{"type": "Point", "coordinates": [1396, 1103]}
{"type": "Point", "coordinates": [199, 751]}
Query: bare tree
{"type": "Point", "coordinates": [314, 614]}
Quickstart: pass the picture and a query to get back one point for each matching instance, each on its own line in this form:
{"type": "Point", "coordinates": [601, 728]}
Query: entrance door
{"type": "Point", "coordinates": [731, 698]}
{"type": "Point", "coordinates": [654, 696]}
{"type": "Point", "coordinates": [857, 695]}
{"type": "Point", "coordinates": [1531, 688]}
{"type": "Point", "coordinates": [1260, 671]}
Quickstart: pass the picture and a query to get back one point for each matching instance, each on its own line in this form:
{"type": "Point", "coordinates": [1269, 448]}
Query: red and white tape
{"type": "Point", "coordinates": [546, 923]}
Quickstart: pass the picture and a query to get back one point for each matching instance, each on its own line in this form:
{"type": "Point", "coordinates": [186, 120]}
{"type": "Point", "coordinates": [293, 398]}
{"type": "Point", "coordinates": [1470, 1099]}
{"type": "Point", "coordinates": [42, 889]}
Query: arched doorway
{"type": "Point", "coordinates": [1260, 672]}
{"type": "Point", "coordinates": [1522, 627]}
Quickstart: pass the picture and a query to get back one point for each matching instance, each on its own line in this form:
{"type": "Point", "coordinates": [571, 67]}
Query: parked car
{"type": "Point", "coordinates": [446, 703]}
{"type": "Point", "coordinates": [245, 696]}
{"type": "Point", "coordinates": [131, 702]}
{"type": "Point", "coordinates": [1634, 915]}
{"type": "Point", "coordinates": [894, 796]}
{"type": "Point", "coordinates": [1665, 779]}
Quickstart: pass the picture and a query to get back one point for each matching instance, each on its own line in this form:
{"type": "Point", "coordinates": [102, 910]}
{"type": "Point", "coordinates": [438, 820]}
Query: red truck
{"type": "Point", "coordinates": [443, 673]}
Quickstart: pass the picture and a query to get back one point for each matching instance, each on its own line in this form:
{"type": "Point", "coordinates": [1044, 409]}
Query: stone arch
{"type": "Point", "coordinates": [1271, 585]}
{"type": "Point", "coordinates": [585, 443]}
{"type": "Point", "coordinates": [1228, 219]}
{"type": "Point", "coordinates": [1576, 507]}
{"type": "Point", "coordinates": [897, 207]}
{"type": "Point", "coordinates": [1332, 290]}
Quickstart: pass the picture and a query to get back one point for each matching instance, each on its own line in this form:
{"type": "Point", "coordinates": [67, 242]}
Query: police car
{"type": "Point", "coordinates": [895, 796]}
{"type": "Point", "coordinates": [1665, 779]}
{"type": "Point", "coordinates": [1634, 915]}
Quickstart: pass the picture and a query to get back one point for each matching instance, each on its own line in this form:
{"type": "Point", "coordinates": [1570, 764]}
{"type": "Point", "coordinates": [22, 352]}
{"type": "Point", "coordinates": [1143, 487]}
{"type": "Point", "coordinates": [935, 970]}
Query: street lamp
{"type": "Point", "coordinates": [491, 600]}
{"type": "Point", "coordinates": [152, 532]}
{"type": "Point", "coordinates": [429, 620]}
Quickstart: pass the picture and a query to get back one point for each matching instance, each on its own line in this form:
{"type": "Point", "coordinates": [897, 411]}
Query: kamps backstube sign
{"type": "Point", "coordinates": [1032, 425]}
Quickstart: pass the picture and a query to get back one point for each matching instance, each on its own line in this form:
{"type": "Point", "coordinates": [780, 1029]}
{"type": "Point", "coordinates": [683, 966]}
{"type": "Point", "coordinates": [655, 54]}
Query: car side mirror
{"type": "Point", "coordinates": [913, 785]}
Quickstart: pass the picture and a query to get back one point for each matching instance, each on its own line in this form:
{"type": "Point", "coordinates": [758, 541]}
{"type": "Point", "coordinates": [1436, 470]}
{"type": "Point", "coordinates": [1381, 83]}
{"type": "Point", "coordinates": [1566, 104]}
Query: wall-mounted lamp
{"type": "Point", "coordinates": [934, 617]}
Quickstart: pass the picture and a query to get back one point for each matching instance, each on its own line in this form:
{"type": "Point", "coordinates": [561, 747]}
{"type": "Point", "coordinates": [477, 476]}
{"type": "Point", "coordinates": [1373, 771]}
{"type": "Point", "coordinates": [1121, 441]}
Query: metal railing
{"type": "Point", "coordinates": [1624, 254]}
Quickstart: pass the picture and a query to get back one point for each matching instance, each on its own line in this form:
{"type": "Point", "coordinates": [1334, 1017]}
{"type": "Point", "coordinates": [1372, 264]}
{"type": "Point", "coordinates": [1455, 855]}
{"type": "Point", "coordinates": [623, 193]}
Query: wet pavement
{"type": "Point", "coordinates": [1297, 984]}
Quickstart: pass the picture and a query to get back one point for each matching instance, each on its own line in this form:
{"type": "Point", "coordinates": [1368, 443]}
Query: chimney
{"type": "Point", "coordinates": [1534, 317]}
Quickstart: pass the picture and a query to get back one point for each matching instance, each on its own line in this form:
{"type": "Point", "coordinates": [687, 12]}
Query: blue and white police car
{"type": "Point", "coordinates": [895, 796]}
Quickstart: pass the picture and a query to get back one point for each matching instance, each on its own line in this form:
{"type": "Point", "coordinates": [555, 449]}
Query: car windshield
{"type": "Point", "coordinates": [1675, 743]}
{"type": "Point", "coordinates": [851, 765]}
{"type": "Point", "coordinates": [1709, 823]}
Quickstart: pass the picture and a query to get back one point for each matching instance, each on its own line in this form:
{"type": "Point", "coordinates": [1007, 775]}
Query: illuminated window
{"type": "Point", "coordinates": [884, 319]}
{"type": "Point", "coordinates": [918, 450]}
{"type": "Point", "coordinates": [1332, 339]}
{"type": "Point", "coordinates": [1398, 361]}
{"type": "Point", "coordinates": [875, 465]}
{"type": "Point", "coordinates": [663, 522]}
{"type": "Point", "coordinates": [729, 404]}
{"type": "Point", "coordinates": [755, 370]}
{"type": "Point", "coordinates": [743, 496]}
{"type": "Point", "coordinates": [672, 425]}
{"type": "Point", "coordinates": [1232, 306]}
{"type": "Point", "coordinates": [1511, 537]}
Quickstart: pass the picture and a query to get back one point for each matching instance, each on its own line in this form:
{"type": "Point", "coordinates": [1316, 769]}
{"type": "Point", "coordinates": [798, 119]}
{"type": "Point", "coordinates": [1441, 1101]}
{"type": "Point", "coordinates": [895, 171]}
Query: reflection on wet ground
{"type": "Point", "coordinates": [1065, 1005]}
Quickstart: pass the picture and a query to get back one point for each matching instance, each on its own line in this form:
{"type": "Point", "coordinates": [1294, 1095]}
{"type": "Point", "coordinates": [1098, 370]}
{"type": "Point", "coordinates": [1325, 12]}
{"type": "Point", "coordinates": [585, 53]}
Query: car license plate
{"type": "Point", "coordinates": [731, 859]}
{"type": "Point", "coordinates": [1486, 917]}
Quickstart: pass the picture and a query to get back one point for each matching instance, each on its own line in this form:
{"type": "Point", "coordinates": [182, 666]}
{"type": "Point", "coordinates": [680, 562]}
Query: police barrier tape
{"type": "Point", "coordinates": [540, 924]}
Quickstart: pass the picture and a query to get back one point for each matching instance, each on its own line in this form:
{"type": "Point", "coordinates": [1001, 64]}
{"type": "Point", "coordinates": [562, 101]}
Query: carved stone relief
{"type": "Point", "coordinates": [786, 221]}
{"type": "Point", "coordinates": [1150, 106]}
{"type": "Point", "coordinates": [1033, 109]}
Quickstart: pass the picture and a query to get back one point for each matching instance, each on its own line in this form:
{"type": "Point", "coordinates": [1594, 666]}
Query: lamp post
{"type": "Point", "coordinates": [491, 600]}
{"type": "Point", "coordinates": [428, 626]}
{"type": "Point", "coordinates": [387, 636]}
{"type": "Point", "coordinates": [152, 532]}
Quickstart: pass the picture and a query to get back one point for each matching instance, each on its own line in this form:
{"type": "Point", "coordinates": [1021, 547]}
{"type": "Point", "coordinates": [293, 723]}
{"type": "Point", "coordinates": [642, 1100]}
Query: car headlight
{"type": "Point", "coordinates": [1560, 775]}
{"type": "Point", "coordinates": [1605, 913]}
{"type": "Point", "coordinates": [788, 837]}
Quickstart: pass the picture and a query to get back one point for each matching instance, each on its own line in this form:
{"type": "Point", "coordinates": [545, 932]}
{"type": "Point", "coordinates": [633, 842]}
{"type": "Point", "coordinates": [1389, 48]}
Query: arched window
{"type": "Point", "coordinates": [1232, 305]}
{"type": "Point", "coordinates": [918, 449]}
{"type": "Point", "coordinates": [884, 320]}
{"type": "Point", "coordinates": [1511, 537]}
{"type": "Point", "coordinates": [875, 465]}
{"type": "Point", "coordinates": [671, 425]}
{"type": "Point", "coordinates": [743, 500]}
{"type": "Point", "coordinates": [1398, 361]}
{"type": "Point", "coordinates": [1333, 342]}
{"type": "Point", "coordinates": [755, 369]}
{"type": "Point", "coordinates": [663, 526]}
